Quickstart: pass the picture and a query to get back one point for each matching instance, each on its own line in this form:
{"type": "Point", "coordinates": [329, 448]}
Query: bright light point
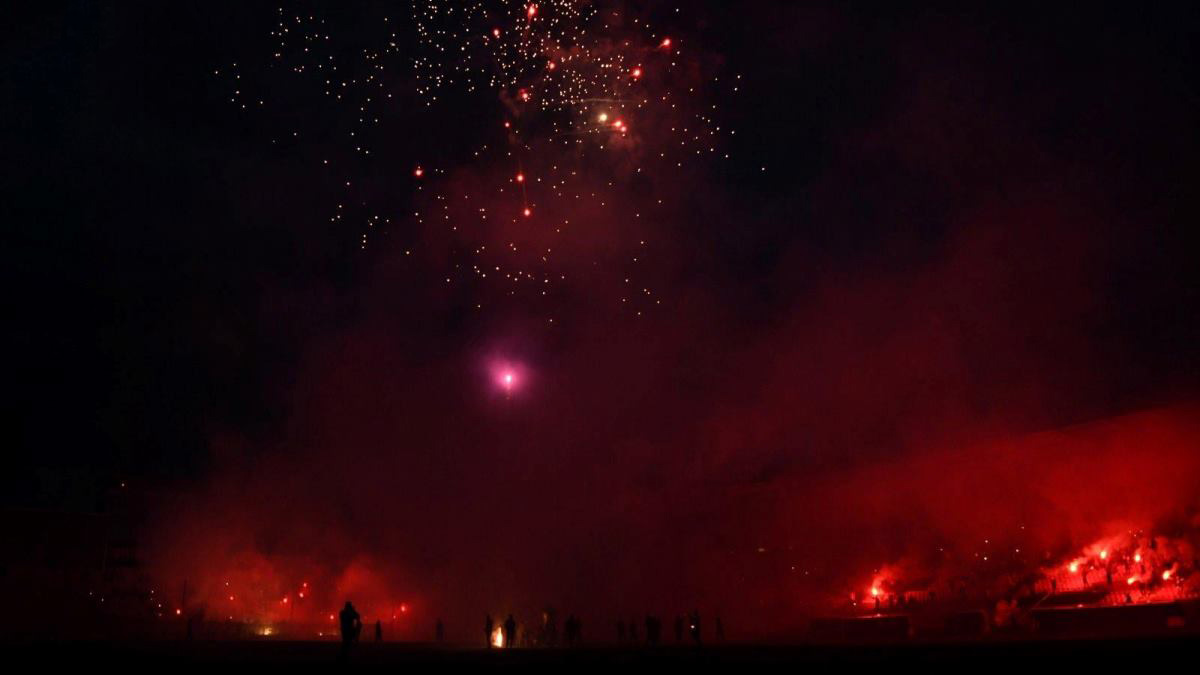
{"type": "Point", "coordinates": [528, 212]}
{"type": "Point", "coordinates": [418, 172]}
{"type": "Point", "coordinates": [1137, 557]}
{"type": "Point", "coordinates": [636, 73]}
{"type": "Point", "coordinates": [520, 178]}
{"type": "Point", "coordinates": [1074, 567]}
{"type": "Point", "coordinates": [1131, 580]}
{"type": "Point", "coordinates": [1103, 555]}
{"type": "Point", "coordinates": [531, 11]}
{"type": "Point", "coordinates": [666, 43]}
{"type": "Point", "coordinates": [551, 65]}
{"type": "Point", "coordinates": [1167, 575]}
{"type": "Point", "coordinates": [507, 376]}
{"type": "Point", "coordinates": [495, 32]}
{"type": "Point", "coordinates": [403, 608]}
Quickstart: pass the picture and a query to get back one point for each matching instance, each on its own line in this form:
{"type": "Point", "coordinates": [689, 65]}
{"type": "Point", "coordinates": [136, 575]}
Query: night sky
{"type": "Point", "coordinates": [819, 306]}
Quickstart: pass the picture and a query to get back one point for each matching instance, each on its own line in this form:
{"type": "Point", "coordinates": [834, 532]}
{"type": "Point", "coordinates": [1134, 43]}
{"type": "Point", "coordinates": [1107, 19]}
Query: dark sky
{"type": "Point", "coordinates": [973, 224]}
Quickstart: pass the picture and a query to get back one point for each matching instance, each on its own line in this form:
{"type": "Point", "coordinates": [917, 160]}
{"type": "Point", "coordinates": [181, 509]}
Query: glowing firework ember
{"type": "Point", "coordinates": [508, 376]}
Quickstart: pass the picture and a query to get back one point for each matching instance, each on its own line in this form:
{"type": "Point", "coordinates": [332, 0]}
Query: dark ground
{"type": "Point", "coordinates": [1142, 653]}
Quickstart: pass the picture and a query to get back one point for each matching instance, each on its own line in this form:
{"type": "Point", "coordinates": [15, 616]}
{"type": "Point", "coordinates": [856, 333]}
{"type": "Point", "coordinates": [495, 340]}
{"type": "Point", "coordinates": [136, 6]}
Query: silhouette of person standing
{"type": "Point", "coordinates": [572, 630]}
{"type": "Point", "coordinates": [351, 625]}
{"type": "Point", "coordinates": [489, 627]}
{"type": "Point", "coordinates": [510, 631]}
{"type": "Point", "coordinates": [439, 632]}
{"type": "Point", "coordinates": [652, 630]}
{"type": "Point", "coordinates": [678, 628]}
{"type": "Point", "coordinates": [719, 628]}
{"type": "Point", "coordinates": [378, 630]}
{"type": "Point", "coordinates": [569, 630]}
{"type": "Point", "coordinates": [695, 621]}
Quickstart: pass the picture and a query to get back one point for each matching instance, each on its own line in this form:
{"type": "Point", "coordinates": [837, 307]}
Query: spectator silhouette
{"type": "Point", "coordinates": [550, 627]}
{"type": "Point", "coordinates": [653, 629]}
{"type": "Point", "coordinates": [351, 625]}
{"type": "Point", "coordinates": [378, 630]}
{"type": "Point", "coordinates": [439, 632]}
{"type": "Point", "coordinates": [695, 625]}
{"type": "Point", "coordinates": [510, 631]}
{"type": "Point", "coordinates": [719, 628]}
{"type": "Point", "coordinates": [572, 630]}
{"type": "Point", "coordinates": [679, 628]}
{"type": "Point", "coordinates": [489, 627]}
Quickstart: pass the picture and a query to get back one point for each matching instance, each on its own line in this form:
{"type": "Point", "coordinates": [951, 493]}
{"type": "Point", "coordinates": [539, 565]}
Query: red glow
{"type": "Point", "coordinates": [528, 212]}
{"type": "Point", "coordinates": [531, 11]}
{"type": "Point", "coordinates": [520, 178]}
{"type": "Point", "coordinates": [636, 73]}
{"type": "Point", "coordinates": [418, 172]}
{"type": "Point", "coordinates": [665, 43]}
